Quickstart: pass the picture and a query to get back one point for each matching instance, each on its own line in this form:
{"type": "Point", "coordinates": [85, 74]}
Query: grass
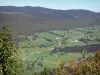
{"type": "Point", "coordinates": [51, 60]}
{"type": "Point", "coordinates": [73, 34]}
{"type": "Point", "coordinates": [35, 53]}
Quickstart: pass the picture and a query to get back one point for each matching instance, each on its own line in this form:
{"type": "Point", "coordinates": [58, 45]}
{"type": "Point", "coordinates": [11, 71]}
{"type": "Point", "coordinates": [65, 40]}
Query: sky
{"type": "Point", "coordinates": [93, 5]}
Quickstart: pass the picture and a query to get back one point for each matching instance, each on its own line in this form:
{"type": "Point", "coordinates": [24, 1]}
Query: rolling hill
{"type": "Point", "coordinates": [27, 20]}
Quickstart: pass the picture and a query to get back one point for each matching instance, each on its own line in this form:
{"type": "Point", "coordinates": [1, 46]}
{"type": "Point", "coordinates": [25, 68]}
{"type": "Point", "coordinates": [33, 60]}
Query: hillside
{"type": "Point", "coordinates": [27, 20]}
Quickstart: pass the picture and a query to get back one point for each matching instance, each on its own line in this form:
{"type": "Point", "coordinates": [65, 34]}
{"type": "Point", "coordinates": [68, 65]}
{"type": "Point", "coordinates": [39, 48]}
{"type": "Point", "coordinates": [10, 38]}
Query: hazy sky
{"type": "Point", "coordinates": [93, 5]}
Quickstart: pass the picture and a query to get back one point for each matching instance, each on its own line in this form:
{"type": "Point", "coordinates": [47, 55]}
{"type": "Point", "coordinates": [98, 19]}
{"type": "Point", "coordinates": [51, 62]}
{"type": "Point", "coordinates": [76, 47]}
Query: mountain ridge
{"type": "Point", "coordinates": [39, 7]}
{"type": "Point", "coordinates": [27, 20]}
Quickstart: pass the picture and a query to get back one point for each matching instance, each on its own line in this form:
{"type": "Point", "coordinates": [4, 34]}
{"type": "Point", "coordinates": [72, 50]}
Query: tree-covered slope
{"type": "Point", "coordinates": [26, 20]}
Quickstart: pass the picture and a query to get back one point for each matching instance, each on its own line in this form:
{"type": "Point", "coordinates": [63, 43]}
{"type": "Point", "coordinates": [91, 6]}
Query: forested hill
{"type": "Point", "coordinates": [26, 20]}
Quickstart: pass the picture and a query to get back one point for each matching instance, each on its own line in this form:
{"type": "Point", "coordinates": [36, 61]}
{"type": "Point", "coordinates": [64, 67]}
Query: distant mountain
{"type": "Point", "coordinates": [27, 20]}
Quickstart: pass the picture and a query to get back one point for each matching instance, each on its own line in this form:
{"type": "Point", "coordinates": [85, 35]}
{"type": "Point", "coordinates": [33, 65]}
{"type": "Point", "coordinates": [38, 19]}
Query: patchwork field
{"type": "Point", "coordinates": [37, 48]}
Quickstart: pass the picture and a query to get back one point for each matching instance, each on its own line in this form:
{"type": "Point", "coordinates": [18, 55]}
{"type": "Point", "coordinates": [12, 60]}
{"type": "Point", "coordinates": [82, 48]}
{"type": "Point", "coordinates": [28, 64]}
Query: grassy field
{"type": "Point", "coordinates": [37, 51]}
{"type": "Point", "coordinates": [44, 59]}
{"type": "Point", "coordinates": [37, 60]}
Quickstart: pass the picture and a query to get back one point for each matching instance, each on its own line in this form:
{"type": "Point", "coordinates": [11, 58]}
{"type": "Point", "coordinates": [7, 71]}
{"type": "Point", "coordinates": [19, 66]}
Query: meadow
{"type": "Point", "coordinates": [37, 48]}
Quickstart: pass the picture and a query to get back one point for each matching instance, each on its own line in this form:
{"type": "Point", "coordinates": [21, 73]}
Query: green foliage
{"type": "Point", "coordinates": [84, 52]}
{"type": "Point", "coordinates": [45, 72]}
{"type": "Point", "coordinates": [10, 60]}
{"type": "Point", "coordinates": [61, 70]}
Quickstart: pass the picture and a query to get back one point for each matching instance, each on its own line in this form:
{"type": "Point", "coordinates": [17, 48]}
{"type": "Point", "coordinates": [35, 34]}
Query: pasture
{"type": "Point", "coordinates": [37, 48]}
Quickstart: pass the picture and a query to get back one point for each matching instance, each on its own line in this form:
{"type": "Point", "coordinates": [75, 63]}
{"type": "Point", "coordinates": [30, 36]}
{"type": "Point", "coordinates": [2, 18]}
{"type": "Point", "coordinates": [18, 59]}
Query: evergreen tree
{"type": "Point", "coordinates": [10, 60]}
